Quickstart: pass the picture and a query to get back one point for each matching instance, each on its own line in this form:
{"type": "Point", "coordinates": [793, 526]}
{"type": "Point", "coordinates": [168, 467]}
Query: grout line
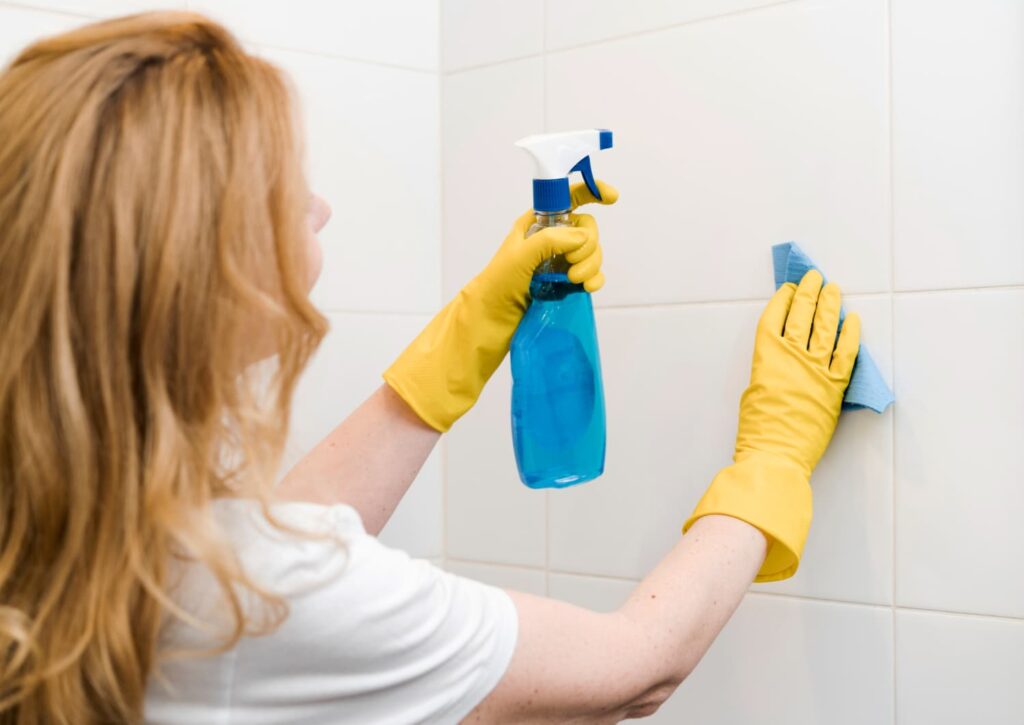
{"type": "Point", "coordinates": [822, 600]}
{"type": "Point", "coordinates": [544, 67]}
{"type": "Point", "coordinates": [335, 56]}
{"type": "Point", "coordinates": [673, 26]}
{"type": "Point", "coordinates": [259, 44]}
{"type": "Point", "coordinates": [547, 543]}
{"type": "Point", "coordinates": [946, 290]}
{"type": "Point", "coordinates": [544, 129]}
{"type": "Point", "coordinates": [852, 296]}
{"type": "Point", "coordinates": [624, 36]}
{"type": "Point", "coordinates": [495, 564]}
{"type": "Point", "coordinates": [493, 63]}
{"type": "Point", "coordinates": [440, 153]}
{"type": "Point", "coordinates": [892, 345]}
{"type": "Point", "coordinates": [49, 11]}
{"type": "Point", "coordinates": [440, 257]}
{"type": "Point", "coordinates": [889, 295]}
{"type": "Point", "coordinates": [440, 38]}
{"type": "Point", "coordinates": [779, 595]}
{"type": "Point", "coordinates": [724, 302]}
{"type": "Point", "coordinates": [1004, 618]}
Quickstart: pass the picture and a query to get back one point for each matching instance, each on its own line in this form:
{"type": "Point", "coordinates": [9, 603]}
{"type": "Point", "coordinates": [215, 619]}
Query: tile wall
{"type": "Point", "coordinates": [885, 137]}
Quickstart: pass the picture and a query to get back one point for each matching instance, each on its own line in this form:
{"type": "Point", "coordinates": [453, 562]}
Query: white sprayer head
{"type": "Point", "coordinates": [556, 156]}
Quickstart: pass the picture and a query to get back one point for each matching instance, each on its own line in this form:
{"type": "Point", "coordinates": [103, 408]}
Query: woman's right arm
{"type": "Point", "coordinates": [574, 664]}
{"type": "Point", "coordinates": [571, 664]}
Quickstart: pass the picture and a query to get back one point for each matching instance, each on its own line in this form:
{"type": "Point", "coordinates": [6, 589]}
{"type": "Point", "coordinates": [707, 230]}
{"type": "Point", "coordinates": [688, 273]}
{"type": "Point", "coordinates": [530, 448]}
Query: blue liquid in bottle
{"type": "Point", "coordinates": [558, 418]}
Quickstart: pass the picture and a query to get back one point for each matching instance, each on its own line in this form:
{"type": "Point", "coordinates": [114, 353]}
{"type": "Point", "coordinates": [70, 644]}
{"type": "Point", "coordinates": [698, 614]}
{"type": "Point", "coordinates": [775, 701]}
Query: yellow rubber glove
{"type": "Point", "coordinates": [442, 372]}
{"type": "Point", "coordinates": [787, 417]}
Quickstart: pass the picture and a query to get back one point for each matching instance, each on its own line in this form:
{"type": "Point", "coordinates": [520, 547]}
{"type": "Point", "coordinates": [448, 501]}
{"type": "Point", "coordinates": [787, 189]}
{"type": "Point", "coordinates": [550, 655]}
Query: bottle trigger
{"type": "Point", "coordinates": [583, 166]}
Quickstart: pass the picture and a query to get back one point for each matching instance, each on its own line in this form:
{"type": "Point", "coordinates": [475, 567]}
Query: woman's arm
{"type": "Point", "coordinates": [371, 458]}
{"type": "Point", "coordinates": [367, 462]}
{"type": "Point", "coordinates": [571, 665]}
{"type": "Point", "coordinates": [574, 664]}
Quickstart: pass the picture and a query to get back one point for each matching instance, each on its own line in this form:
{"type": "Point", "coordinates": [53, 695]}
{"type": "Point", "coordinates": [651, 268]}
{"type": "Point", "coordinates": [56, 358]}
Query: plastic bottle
{"type": "Point", "coordinates": [558, 415]}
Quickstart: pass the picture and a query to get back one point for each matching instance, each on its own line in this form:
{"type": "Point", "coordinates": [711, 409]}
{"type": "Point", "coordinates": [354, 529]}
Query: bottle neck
{"type": "Point", "coordinates": [553, 218]}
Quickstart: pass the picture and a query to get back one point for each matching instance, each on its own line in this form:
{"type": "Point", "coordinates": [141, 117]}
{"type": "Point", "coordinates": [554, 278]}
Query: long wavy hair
{"type": "Point", "coordinates": [152, 247]}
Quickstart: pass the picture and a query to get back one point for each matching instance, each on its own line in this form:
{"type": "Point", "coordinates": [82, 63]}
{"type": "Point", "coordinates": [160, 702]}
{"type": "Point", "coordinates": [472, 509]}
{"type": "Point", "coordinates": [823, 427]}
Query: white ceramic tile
{"type": "Point", "coordinates": [792, 661]}
{"type": "Point", "coordinates": [953, 669]}
{"type": "Point", "coordinates": [778, 661]}
{"type": "Point", "coordinates": [373, 154]}
{"type": "Point", "coordinates": [487, 181]}
{"type": "Point", "coordinates": [105, 7]}
{"type": "Point", "coordinates": [20, 27]}
{"type": "Point", "coordinates": [597, 594]}
{"type": "Point", "coordinates": [399, 32]}
{"type": "Point", "coordinates": [849, 550]}
{"type": "Point", "coordinates": [572, 22]}
{"type": "Point", "coordinates": [491, 515]}
{"type": "Point", "coordinates": [733, 135]}
{"type": "Point", "coordinates": [673, 378]}
{"type": "Point", "coordinates": [344, 372]}
{"type": "Point", "coordinates": [958, 151]}
{"type": "Point", "coordinates": [530, 581]}
{"type": "Point", "coordinates": [959, 429]}
{"type": "Point", "coordinates": [474, 33]}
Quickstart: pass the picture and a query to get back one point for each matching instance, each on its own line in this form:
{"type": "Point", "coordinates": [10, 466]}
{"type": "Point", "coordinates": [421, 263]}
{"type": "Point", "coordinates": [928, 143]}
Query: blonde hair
{"type": "Point", "coordinates": [152, 244]}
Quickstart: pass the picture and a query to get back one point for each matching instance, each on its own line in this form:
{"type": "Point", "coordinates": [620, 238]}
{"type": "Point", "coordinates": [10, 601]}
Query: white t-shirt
{"type": "Point", "coordinates": [373, 636]}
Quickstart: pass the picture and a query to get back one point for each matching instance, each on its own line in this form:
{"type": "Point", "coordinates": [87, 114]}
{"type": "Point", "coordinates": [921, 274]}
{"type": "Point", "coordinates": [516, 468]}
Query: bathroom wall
{"type": "Point", "coordinates": [883, 136]}
{"type": "Point", "coordinates": [368, 78]}
{"type": "Point", "coordinates": [886, 138]}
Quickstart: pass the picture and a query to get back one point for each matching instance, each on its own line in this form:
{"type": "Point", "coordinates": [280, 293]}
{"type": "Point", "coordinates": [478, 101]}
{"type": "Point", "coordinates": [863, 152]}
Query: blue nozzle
{"type": "Point", "coordinates": [583, 166]}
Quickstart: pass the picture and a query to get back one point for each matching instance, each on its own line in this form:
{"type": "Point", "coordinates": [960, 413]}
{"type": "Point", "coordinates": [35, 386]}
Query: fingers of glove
{"type": "Point", "coordinates": [594, 283]}
{"type": "Point", "coordinates": [847, 348]}
{"type": "Point", "coordinates": [773, 319]}
{"type": "Point", "coordinates": [579, 194]}
{"type": "Point", "coordinates": [587, 223]}
{"type": "Point", "coordinates": [826, 324]}
{"type": "Point", "coordinates": [590, 266]}
{"type": "Point", "coordinates": [552, 241]}
{"type": "Point", "coordinates": [801, 312]}
{"type": "Point", "coordinates": [522, 224]}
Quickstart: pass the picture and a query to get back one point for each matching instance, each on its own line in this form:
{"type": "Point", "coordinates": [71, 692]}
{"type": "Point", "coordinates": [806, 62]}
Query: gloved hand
{"type": "Point", "coordinates": [787, 417]}
{"type": "Point", "coordinates": [442, 372]}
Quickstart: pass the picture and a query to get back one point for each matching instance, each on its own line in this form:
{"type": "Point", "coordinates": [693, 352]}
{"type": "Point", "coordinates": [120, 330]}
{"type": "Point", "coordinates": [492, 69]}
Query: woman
{"type": "Point", "coordinates": [157, 244]}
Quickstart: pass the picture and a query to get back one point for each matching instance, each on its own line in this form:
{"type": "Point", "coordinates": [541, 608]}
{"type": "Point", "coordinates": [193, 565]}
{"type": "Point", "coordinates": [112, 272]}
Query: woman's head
{"type": "Point", "coordinates": [155, 239]}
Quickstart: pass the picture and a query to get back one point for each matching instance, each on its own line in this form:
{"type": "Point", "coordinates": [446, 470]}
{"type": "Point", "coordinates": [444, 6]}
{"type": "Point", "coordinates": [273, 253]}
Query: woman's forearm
{"type": "Point", "coordinates": [690, 595]}
{"type": "Point", "coordinates": [575, 664]}
{"type": "Point", "coordinates": [368, 461]}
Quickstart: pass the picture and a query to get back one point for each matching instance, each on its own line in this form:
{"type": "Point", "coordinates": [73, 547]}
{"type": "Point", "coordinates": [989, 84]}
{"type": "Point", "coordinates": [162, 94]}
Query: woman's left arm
{"type": "Point", "coordinates": [368, 461]}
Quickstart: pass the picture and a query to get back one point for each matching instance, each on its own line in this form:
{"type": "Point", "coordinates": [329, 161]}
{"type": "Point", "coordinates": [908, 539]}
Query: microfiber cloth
{"type": "Point", "coordinates": [868, 388]}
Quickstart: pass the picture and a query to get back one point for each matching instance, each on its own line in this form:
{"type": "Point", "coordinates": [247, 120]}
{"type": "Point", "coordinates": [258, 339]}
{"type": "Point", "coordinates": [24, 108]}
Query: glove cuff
{"type": "Point", "coordinates": [771, 494]}
{"type": "Point", "coordinates": [441, 373]}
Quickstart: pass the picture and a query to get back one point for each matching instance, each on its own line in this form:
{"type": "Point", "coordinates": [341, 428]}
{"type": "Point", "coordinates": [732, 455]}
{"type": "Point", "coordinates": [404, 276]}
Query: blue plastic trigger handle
{"type": "Point", "coordinates": [583, 166]}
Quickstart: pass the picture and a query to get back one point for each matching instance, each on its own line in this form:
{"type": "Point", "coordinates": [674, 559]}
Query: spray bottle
{"type": "Point", "coordinates": [558, 417]}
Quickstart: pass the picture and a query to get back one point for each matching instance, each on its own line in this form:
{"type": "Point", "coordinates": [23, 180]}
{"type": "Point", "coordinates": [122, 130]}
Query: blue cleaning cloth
{"type": "Point", "coordinates": [868, 388]}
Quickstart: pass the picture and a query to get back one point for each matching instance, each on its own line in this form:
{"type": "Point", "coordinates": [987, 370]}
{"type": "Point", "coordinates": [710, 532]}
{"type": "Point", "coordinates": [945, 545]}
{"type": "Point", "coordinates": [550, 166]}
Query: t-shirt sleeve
{"type": "Point", "coordinates": [372, 635]}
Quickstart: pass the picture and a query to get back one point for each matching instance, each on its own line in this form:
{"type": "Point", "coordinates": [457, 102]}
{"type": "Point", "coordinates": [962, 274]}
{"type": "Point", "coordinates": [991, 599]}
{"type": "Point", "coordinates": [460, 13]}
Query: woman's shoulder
{"type": "Point", "coordinates": [280, 520]}
{"type": "Point", "coordinates": [292, 546]}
